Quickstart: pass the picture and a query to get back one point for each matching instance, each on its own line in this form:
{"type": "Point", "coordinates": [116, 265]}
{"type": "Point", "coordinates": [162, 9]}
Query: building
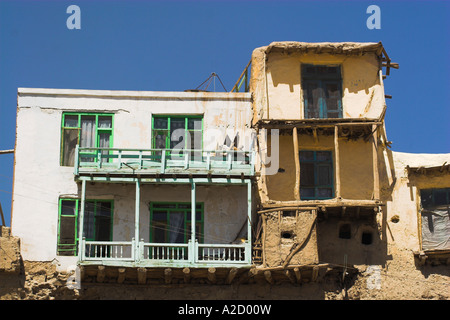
{"type": "Point", "coordinates": [288, 179]}
{"type": "Point", "coordinates": [153, 177]}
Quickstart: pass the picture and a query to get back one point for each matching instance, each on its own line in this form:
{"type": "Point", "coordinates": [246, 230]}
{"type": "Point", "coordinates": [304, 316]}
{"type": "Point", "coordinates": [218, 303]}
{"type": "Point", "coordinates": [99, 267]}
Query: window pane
{"type": "Point", "coordinates": [307, 174]}
{"type": "Point", "coordinates": [324, 192]}
{"type": "Point", "coordinates": [159, 232]}
{"type": "Point", "coordinates": [307, 193]}
{"type": "Point", "coordinates": [89, 220]}
{"type": "Point", "coordinates": [159, 215]}
{"type": "Point", "coordinates": [87, 138]}
{"type": "Point", "coordinates": [67, 230]}
{"type": "Point", "coordinates": [103, 228]}
{"type": "Point", "coordinates": [306, 155]}
{"type": "Point", "coordinates": [176, 227]}
{"type": "Point", "coordinates": [195, 124]}
{"type": "Point", "coordinates": [105, 122]}
{"type": "Point", "coordinates": [104, 209]}
{"type": "Point", "coordinates": [332, 95]}
{"type": "Point", "coordinates": [160, 138]}
{"type": "Point", "coordinates": [160, 123]}
{"type": "Point", "coordinates": [313, 93]}
{"type": "Point", "coordinates": [70, 140]}
{"type": "Point", "coordinates": [323, 156]}
{"type": "Point", "coordinates": [426, 198]}
{"type": "Point", "coordinates": [68, 207]}
{"type": "Point", "coordinates": [70, 121]}
{"type": "Point", "coordinates": [440, 197]}
{"type": "Point", "coordinates": [323, 175]}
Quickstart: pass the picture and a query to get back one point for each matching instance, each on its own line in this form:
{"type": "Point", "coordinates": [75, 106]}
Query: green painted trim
{"type": "Point", "coordinates": [78, 127]}
{"type": "Point", "coordinates": [79, 220]}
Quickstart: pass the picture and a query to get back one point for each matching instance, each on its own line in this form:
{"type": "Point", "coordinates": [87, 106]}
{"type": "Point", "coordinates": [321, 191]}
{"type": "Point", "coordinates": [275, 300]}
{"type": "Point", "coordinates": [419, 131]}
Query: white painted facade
{"type": "Point", "coordinates": [40, 181]}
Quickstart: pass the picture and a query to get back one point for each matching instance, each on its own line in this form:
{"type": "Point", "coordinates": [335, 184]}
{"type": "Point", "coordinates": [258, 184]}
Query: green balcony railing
{"type": "Point", "coordinates": [134, 253]}
{"type": "Point", "coordinates": [115, 160]}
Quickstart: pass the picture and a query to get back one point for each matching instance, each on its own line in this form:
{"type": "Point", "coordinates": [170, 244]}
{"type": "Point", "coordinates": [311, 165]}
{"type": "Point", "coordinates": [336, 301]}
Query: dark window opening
{"type": "Point", "coordinates": [366, 238]}
{"type": "Point", "coordinates": [322, 91]}
{"type": "Point", "coordinates": [290, 213]}
{"type": "Point", "coordinates": [287, 234]}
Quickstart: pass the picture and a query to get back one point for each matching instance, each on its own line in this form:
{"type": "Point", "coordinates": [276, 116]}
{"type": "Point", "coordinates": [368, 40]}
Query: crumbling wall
{"type": "Point", "coordinates": [290, 237]}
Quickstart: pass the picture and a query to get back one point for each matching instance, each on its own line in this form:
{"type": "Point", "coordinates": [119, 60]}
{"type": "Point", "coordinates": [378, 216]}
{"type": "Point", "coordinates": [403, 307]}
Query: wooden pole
{"type": "Point", "coordinates": [297, 164]}
{"type": "Point", "coordinates": [121, 277]}
{"type": "Point", "coordinates": [338, 167]}
{"type": "Point", "coordinates": [3, 218]}
{"type": "Point", "coordinates": [137, 210]}
{"type": "Point", "coordinates": [376, 178]}
{"type": "Point", "coordinates": [187, 275]}
{"type": "Point", "coordinates": [81, 220]}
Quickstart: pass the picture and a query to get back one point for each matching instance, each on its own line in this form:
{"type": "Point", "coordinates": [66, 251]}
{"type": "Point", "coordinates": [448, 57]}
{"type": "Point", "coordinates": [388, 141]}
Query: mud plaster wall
{"type": "Point", "coordinates": [278, 94]}
{"type": "Point", "coordinates": [302, 230]}
{"type": "Point", "coordinates": [356, 172]}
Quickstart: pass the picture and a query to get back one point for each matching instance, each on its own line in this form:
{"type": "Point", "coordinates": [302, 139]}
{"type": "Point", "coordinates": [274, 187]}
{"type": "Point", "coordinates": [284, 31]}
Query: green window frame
{"type": "Point", "coordinates": [98, 223]}
{"type": "Point", "coordinates": [316, 175]}
{"type": "Point", "coordinates": [165, 136]}
{"type": "Point", "coordinates": [170, 222]}
{"type": "Point", "coordinates": [86, 130]}
{"type": "Point", "coordinates": [322, 91]}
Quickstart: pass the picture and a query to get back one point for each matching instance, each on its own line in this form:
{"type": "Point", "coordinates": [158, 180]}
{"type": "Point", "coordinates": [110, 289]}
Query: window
{"type": "Point", "coordinates": [97, 223]}
{"type": "Point", "coordinates": [171, 222]}
{"type": "Point", "coordinates": [86, 130]}
{"type": "Point", "coordinates": [316, 175]}
{"type": "Point", "coordinates": [435, 219]}
{"type": "Point", "coordinates": [178, 132]}
{"type": "Point", "coordinates": [322, 91]}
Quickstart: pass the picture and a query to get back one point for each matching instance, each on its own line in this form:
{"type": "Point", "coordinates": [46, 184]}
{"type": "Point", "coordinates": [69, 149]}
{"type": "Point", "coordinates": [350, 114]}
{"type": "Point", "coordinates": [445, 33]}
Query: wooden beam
{"type": "Point", "coordinates": [142, 275]}
{"type": "Point", "coordinates": [297, 164]}
{"type": "Point", "coordinates": [337, 163]}
{"type": "Point", "coordinates": [121, 277]}
{"type": "Point", "coordinates": [290, 276]}
{"type": "Point", "coordinates": [316, 139]}
{"type": "Point", "coordinates": [298, 274]}
{"type": "Point", "coordinates": [376, 176]}
{"type": "Point", "coordinates": [315, 273]}
{"type": "Point", "coordinates": [187, 275]}
{"type": "Point", "coordinates": [167, 275]}
{"type": "Point", "coordinates": [212, 275]}
{"type": "Point", "coordinates": [268, 276]}
{"type": "Point", "coordinates": [82, 273]}
{"type": "Point", "coordinates": [101, 274]}
{"type": "Point", "coordinates": [1, 214]}
{"type": "Point", "coordinates": [231, 275]}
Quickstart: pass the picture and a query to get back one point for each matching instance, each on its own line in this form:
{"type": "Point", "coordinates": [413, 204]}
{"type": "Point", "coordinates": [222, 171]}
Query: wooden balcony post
{"type": "Point", "coordinates": [192, 213]}
{"type": "Point", "coordinates": [248, 247]}
{"type": "Point", "coordinates": [297, 164]}
{"type": "Point", "coordinates": [336, 161]}
{"type": "Point", "coordinates": [376, 178]}
{"type": "Point", "coordinates": [81, 220]}
{"type": "Point", "coordinates": [136, 219]}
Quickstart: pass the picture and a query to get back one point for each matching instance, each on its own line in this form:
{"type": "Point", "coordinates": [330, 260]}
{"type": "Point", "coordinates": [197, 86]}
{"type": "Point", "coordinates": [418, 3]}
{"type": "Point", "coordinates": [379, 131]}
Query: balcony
{"type": "Point", "coordinates": [120, 162]}
{"type": "Point", "coordinates": [142, 254]}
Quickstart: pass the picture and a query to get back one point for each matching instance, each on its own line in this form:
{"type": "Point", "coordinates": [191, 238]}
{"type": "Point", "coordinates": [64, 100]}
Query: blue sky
{"type": "Point", "coordinates": [176, 45]}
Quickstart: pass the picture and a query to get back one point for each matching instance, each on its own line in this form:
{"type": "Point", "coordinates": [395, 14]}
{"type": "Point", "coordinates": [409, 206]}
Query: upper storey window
{"type": "Point", "coordinates": [322, 91]}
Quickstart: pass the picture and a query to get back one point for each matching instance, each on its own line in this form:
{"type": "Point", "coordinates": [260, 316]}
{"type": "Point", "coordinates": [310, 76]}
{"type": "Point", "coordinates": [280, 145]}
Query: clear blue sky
{"type": "Point", "coordinates": [176, 45]}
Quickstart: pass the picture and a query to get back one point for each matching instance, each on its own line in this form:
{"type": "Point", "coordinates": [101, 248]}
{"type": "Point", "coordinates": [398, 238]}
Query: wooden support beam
{"type": "Point", "coordinates": [316, 139]}
{"type": "Point", "coordinates": [343, 213]}
{"type": "Point", "coordinates": [289, 275]}
{"type": "Point", "coordinates": [297, 164]}
{"type": "Point", "coordinates": [376, 176]}
{"type": "Point", "coordinates": [315, 273]}
{"type": "Point", "coordinates": [337, 164]}
{"type": "Point", "coordinates": [212, 275]}
{"type": "Point", "coordinates": [298, 274]}
{"type": "Point", "coordinates": [167, 275]}
{"type": "Point", "coordinates": [121, 277]}
{"type": "Point", "coordinates": [231, 275]}
{"type": "Point", "coordinates": [101, 274]}
{"type": "Point", "coordinates": [268, 276]}
{"type": "Point", "coordinates": [187, 275]}
{"type": "Point", "coordinates": [246, 277]}
{"type": "Point", "coordinates": [142, 275]}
